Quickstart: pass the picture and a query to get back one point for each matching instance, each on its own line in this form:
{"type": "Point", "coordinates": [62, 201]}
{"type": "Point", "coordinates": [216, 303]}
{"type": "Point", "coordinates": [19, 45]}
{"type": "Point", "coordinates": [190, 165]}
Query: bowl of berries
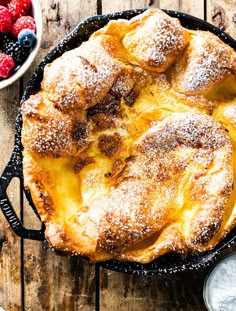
{"type": "Point", "coordinates": [20, 37]}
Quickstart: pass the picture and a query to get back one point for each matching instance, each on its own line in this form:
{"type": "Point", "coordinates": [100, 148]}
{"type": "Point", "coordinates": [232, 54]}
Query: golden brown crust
{"type": "Point", "coordinates": [155, 40]}
{"type": "Point", "coordinates": [130, 154]}
{"type": "Point", "coordinates": [205, 62]}
{"type": "Point", "coordinates": [148, 193]}
{"type": "Point", "coordinates": [40, 184]}
{"type": "Point", "coordinates": [54, 133]}
{"type": "Point", "coordinates": [88, 74]}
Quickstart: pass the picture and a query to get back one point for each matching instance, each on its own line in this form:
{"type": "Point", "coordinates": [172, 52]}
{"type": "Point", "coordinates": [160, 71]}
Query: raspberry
{"type": "Point", "coordinates": [24, 22]}
{"type": "Point", "coordinates": [5, 20]}
{"type": "Point", "coordinates": [16, 51]}
{"type": "Point", "coordinates": [18, 8]}
{"type": "Point", "coordinates": [6, 65]}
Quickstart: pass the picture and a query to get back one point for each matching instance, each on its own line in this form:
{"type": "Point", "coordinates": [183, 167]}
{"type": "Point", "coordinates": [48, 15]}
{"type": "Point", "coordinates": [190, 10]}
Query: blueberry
{"type": "Point", "coordinates": [27, 38]}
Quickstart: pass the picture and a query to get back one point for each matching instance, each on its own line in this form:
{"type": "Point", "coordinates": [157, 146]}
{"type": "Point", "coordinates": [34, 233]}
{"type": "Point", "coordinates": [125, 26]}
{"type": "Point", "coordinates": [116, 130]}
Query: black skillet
{"type": "Point", "coordinates": [170, 263]}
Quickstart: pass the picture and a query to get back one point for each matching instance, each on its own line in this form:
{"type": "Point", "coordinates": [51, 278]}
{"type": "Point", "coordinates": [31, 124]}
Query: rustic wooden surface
{"type": "Point", "coordinates": [32, 277]}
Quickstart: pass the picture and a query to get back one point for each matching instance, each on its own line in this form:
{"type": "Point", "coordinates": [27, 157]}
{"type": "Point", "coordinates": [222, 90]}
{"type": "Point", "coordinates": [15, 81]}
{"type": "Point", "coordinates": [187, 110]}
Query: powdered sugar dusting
{"type": "Point", "coordinates": [162, 43]}
{"type": "Point", "coordinates": [209, 61]}
{"type": "Point", "coordinates": [52, 130]}
{"type": "Point", "coordinates": [146, 194]}
{"type": "Point", "coordinates": [88, 73]}
{"type": "Point", "coordinates": [157, 42]}
{"type": "Point", "coordinates": [195, 130]}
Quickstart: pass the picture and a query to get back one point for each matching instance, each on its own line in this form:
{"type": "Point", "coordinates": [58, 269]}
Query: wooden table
{"type": "Point", "coordinates": [32, 276]}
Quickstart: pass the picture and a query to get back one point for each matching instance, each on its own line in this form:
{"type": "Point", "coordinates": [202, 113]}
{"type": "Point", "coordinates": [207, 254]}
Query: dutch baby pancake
{"type": "Point", "coordinates": [130, 153]}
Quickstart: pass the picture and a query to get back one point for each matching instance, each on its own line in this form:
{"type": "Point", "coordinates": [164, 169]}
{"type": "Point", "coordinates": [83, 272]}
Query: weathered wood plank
{"type": "Point", "coordinates": [10, 245]}
{"type": "Point", "coordinates": [181, 291]}
{"type": "Point", "coordinates": [121, 291]}
{"type": "Point", "coordinates": [53, 282]}
{"type": "Point", "coordinates": [222, 14]}
{"type": "Point", "coordinates": [116, 6]}
{"type": "Point", "coordinates": [195, 8]}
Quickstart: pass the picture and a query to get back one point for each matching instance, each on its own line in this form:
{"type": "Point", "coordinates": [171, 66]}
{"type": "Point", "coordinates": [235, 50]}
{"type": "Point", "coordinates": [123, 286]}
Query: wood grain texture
{"type": "Point", "coordinates": [53, 282]}
{"type": "Point", "coordinates": [172, 292]}
{"type": "Point", "coordinates": [222, 13]}
{"type": "Point", "coordinates": [195, 8]}
{"type": "Point", "coordinates": [116, 6]}
{"type": "Point", "coordinates": [10, 245]}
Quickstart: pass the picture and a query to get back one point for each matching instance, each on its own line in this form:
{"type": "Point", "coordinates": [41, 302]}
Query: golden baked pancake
{"type": "Point", "coordinates": [129, 146]}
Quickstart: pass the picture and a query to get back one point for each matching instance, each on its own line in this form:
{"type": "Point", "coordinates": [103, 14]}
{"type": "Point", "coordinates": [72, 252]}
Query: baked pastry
{"type": "Point", "coordinates": [130, 153]}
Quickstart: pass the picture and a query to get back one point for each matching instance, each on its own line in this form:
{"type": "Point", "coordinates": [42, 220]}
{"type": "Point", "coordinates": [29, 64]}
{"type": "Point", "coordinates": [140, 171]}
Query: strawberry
{"type": "Point", "coordinates": [4, 2]}
{"type": "Point", "coordinates": [6, 65]}
{"type": "Point", "coordinates": [24, 22]}
{"type": "Point", "coordinates": [5, 20]}
{"type": "Point", "coordinates": [18, 8]}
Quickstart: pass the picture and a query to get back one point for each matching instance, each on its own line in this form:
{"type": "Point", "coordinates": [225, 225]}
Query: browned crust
{"type": "Point", "coordinates": [150, 178]}
{"type": "Point", "coordinates": [89, 72]}
{"type": "Point", "coordinates": [157, 43]}
{"type": "Point", "coordinates": [110, 145]}
{"type": "Point", "coordinates": [133, 211]}
{"type": "Point", "coordinates": [49, 132]}
{"type": "Point", "coordinates": [39, 183]}
{"type": "Point", "coordinates": [205, 62]}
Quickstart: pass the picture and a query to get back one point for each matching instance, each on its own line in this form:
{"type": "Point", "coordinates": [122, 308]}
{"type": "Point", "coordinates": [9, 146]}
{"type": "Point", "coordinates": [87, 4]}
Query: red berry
{"type": "Point", "coordinates": [19, 8]}
{"type": "Point", "coordinates": [5, 20]}
{"type": "Point", "coordinates": [4, 2]}
{"type": "Point", "coordinates": [6, 65]}
{"type": "Point", "coordinates": [24, 22]}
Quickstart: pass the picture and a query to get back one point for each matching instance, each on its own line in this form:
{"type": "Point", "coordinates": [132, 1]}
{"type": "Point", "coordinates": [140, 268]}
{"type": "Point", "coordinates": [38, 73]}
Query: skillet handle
{"type": "Point", "coordinates": [14, 169]}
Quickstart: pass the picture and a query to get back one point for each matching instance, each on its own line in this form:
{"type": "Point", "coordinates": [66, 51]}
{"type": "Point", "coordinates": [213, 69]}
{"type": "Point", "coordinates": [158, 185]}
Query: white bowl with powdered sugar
{"type": "Point", "coordinates": [219, 290]}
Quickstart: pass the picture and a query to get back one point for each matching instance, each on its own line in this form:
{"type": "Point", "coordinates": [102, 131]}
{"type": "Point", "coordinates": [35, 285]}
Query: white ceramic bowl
{"type": "Point", "coordinates": [219, 290]}
{"type": "Point", "coordinates": [37, 14]}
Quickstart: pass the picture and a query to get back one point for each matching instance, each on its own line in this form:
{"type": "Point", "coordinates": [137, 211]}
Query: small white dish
{"type": "Point", "coordinates": [37, 14]}
{"type": "Point", "coordinates": [219, 290]}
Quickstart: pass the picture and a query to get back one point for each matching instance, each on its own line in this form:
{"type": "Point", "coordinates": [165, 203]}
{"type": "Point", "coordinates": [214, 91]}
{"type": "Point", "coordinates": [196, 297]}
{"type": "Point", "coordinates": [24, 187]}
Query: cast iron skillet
{"type": "Point", "coordinates": [169, 263]}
